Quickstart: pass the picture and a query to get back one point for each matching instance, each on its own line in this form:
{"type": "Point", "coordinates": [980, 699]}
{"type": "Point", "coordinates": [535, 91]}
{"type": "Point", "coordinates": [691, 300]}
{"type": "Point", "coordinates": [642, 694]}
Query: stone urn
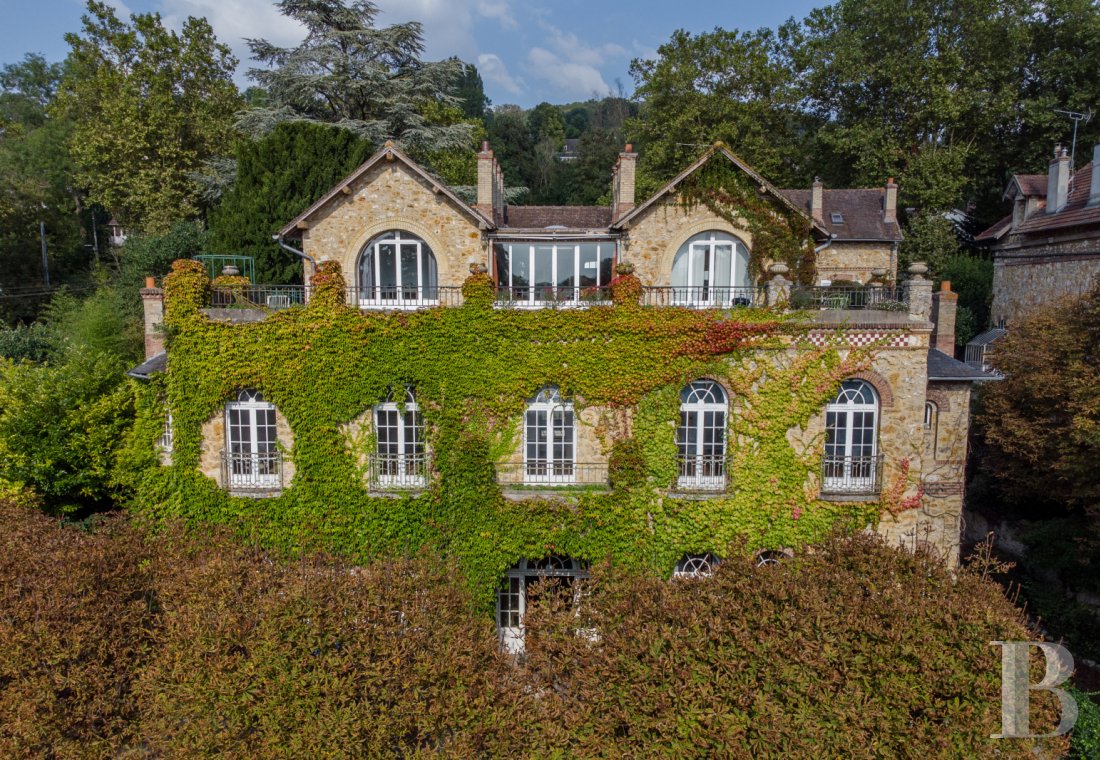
{"type": "Point", "coordinates": [918, 269]}
{"type": "Point", "coordinates": [229, 270]}
{"type": "Point", "coordinates": [779, 269]}
{"type": "Point", "coordinates": [478, 268]}
{"type": "Point", "coordinates": [624, 268]}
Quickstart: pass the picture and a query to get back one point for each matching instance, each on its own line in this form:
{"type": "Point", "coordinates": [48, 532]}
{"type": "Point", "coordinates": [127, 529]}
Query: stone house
{"type": "Point", "coordinates": [1049, 246]}
{"type": "Point", "coordinates": [894, 434]}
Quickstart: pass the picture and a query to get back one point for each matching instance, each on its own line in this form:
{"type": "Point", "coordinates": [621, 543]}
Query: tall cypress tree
{"type": "Point", "coordinates": [277, 178]}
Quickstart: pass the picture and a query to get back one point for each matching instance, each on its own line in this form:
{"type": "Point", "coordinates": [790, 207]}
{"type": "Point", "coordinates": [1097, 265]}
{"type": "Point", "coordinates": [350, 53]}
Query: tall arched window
{"type": "Point", "coordinates": [400, 460]}
{"type": "Point", "coordinates": [397, 270]}
{"type": "Point", "coordinates": [519, 582]}
{"type": "Point", "coordinates": [851, 446]}
{"type": "Point", "coordinates": [549, 450]}
{"type": "Point", "coordinates": [252, 452]}
{"type": "Point", "coordinates": [701, 436]}
{"type": "Point", "coordinates": [711, 269]}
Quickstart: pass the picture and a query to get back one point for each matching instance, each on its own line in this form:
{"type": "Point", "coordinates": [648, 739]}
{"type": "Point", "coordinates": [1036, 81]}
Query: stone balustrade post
{"type": "Point", "coordinates": [920, 292]}
{"type": "Point", "coordinates": [779, 287]}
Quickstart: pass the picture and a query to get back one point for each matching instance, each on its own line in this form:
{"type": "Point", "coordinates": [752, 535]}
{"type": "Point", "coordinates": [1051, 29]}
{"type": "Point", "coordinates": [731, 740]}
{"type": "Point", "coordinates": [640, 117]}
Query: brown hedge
{"type": "Point", "coordinates": [122, 642]}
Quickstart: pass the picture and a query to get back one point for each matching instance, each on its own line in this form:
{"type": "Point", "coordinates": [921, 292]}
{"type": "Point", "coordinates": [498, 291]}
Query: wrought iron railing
{"type": "Point", "coordinates": [704, 296]}
{"type": "Point", "coordinates": [882, 298]}
{"type": "Point", "coordinates": [551, 473]}
{"type": "Point", "coordinates": [257, 296]}
{"type": "Point", "coordinates": [399, 472]}
{"type": "Point", "coordinates": [536, 296]}
{"type": "Point", "coordinates": [391, 297]}
{"type": "Point", "coordinates": [252, 471]}
{"type": "Point", "coordinates": [843, 475]}
{"type": "Point", "coordinates": [701, 473]}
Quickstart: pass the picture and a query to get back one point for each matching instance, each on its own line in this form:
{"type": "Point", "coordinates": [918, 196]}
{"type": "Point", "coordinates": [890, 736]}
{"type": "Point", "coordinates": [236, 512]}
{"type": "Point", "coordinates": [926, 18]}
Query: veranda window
{"type": "Point", "coordinates": [536, 274]}
{"type": "Point", "coordinates": [397, 270]}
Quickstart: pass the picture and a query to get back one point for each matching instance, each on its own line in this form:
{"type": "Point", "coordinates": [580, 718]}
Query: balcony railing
{"type": "Point", "coordinates": [391, 297]}
{"type": "Point", "coordinates": [399, 472]}
{"type": "Point", "coordinates": [539, 297]}
{"type": "Point", "coordinates": [257, 296]}
{"type": "Point", "coordinates": [701, 473]}
{"type": "Point", "coordinates": [871, 297]}
{"type": "Point", "coordinates": [252, 471]}
{"type": "Point", "coordinates": [551, 473]}
{"type": "Point", "coordinates": [851, 475]}
{"type": "Point", "coordinates": [704, 296]}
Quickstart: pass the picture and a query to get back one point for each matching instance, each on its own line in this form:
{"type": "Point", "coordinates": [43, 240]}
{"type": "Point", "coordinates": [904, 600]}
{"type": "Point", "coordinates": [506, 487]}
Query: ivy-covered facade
{"type": "Point", "coordinates": [532, 389]}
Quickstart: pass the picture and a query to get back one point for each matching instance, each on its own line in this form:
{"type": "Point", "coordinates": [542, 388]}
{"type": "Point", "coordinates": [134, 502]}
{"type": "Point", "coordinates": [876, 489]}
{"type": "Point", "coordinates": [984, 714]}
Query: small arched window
{"type": "Point", "coordinates": [549, 450]}
{"type": "Point", "coordinates": [397, 270]}
{"type": "Point", "coordinates": [253, 460]}
{"type": "Point", "coordinates": [701, 436]}
{"type": "Point", "coordinates": [851, 445]}
{"type": "Point", "coordinates": [711, 269]}
{"type": "Point", "coordinates": [400, 459]}
{"type": "Point", "coordinates": [696, 566]}
{"type": "Point", "coordinates": [514, 593]}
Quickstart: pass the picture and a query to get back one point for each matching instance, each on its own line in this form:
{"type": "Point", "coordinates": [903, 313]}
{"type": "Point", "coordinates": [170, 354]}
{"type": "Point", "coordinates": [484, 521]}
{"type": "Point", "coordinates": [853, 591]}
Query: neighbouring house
{"type": "Point", "coordinates": [1049, 246]}
{"type": "Point", "coordinates": [116, 233]}
{"type": "Point", "coordinates": [538, 388]}
{"type": "Point", "coordinates": [569, 149]}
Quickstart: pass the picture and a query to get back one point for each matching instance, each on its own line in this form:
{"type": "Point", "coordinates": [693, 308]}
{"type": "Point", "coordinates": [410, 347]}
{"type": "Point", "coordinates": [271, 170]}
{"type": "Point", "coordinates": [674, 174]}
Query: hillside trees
{"type": "Point", "coordinates": [148, 107]}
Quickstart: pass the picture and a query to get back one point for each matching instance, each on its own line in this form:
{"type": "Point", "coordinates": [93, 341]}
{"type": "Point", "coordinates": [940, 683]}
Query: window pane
{"type": "Point", "coordinates": [700, 265]}
{"type": "Point", "coordinates": [387, 270]}
{"type": "Point", "coordinates": [566, 266]}
{"type": "Point", "coordinates": [544, 263]}
{"type": "Point", "coordinates": [589, 274]}
{"type": "Point", "coordinates": [723, 265]}
{"type": "Point", "coordinates": [504, 271]}
{"type": "Point", "coordinates": [607, 259]}
{"type": "Point", "coordinates": [410, 277]}
{"type": "Point", "coordinates": [521, 268]}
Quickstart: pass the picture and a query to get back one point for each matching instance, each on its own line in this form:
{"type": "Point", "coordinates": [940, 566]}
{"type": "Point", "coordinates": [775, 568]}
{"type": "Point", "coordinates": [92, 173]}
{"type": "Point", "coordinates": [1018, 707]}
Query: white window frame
{"type": "Point", "coordinates": [693, 401]}
{"type": "Point", "coordinates": [409, 467]}
{"type": "Point", "coordinates": [700, 290]}
{"type": "Point", "coordinates": [261, 467]}
{"type": "Point", "coordinates": [696, 566]}
{"type": "Point", "coordinates": [371, 296]}
{"type": "Point", "coordinates": [512, 594]}
{"type": "Point", "coordinates": [532, 301]}
{"type": "Point", "coordinates": [167, 439]}
{"type": "Point", "coordinates": [848, 403]}
{"type": "Point", "coordinates": [552, 470]}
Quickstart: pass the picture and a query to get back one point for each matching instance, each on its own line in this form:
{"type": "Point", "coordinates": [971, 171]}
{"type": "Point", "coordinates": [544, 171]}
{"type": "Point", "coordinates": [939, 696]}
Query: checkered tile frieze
{"type": "Point", "coordinates": [887, 339]}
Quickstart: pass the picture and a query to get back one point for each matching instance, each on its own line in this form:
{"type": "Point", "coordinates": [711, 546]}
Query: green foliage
{"type": "Point", "coordinates": [143, 256]}
{"type": "Point", "coordinates": [1086, 733]}
{"type": "Point", "coordinates": [279, 176]}
{"type": "Point", "coordinates": [148, 106]}
{"type": "Point", "coordinates": [470, 90]}
{"type": "Point", "coordinates": [26, 342]}
{"type": "Point", "coordinates": [972, 278]}
{"type": "Point", "coordinates": [325, 364]}
{"type": "Point", "coordinates": [118, 641]}
{"type": "Point", "coordinates": [930, 238]}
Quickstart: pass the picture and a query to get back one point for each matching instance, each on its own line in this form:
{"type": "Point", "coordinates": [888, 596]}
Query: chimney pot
{"type": "Point", "coordinates": [622, 182]}
{"type": "Point", "coordinates": [944, 308]}
{"type": "Point", "coordinates": [1058, 180]}
{"type": "Point", "coordinates": [150, 282]}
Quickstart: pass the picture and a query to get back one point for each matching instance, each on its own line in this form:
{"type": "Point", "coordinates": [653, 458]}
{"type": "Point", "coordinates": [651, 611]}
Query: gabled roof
{"type": "Point", "coordinates": [1030, 185]}
{"type": "Point", "coordinates": [389, 152]}
{"type": "Point", "coordinates": [1076, 212]}
{"type": "Point", "coordinates": [997, 231]}
{"type": "Point", "coordinates": [717, 148]}
{"type": "Point", "coordinates": [949, 369]}
{"type": "Point", "coordinates": [860, 208]}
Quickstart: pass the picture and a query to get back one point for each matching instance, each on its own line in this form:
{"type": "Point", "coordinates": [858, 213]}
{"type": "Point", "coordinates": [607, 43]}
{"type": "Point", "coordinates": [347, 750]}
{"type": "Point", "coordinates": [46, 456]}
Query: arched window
{"type": "Point", "coordinates": [711, 269]}
{"type": "Point", "coordinates": [549, 451]}
{"type": "Point", "coordinates": [851, 446]}
{"type": "Point", "coordinates": [397, 270]}
{"type": "Point", "coordinates": [701, 436]}
{"type": "Point", "coordinates": [400, 460]}
{"type": "Point", "coordinates": [695, 566]}
{"type": "Point", "coordinates": [253, 460]}
{"type": "Point", "coordinates": [518, 585]}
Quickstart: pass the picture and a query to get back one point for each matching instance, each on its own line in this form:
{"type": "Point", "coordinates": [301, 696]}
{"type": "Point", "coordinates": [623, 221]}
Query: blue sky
{"type": "Point", "coordinates": [527, 52]}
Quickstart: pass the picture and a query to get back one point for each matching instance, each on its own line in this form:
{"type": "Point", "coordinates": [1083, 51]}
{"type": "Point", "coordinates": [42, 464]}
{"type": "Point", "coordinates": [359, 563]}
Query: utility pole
{"type": "Point", "coordinates": [1077, 118]}
{"type": "Point", "coordinates": [45, 260]}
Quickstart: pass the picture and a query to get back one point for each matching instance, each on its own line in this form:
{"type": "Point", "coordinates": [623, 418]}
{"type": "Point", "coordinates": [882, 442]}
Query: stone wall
{"type": "Point", "coordinates": [391, 197]}
{"type": "Point", "coordinates": [856, 261]}
{"type": "Point", "coordinates": [1025, 279]}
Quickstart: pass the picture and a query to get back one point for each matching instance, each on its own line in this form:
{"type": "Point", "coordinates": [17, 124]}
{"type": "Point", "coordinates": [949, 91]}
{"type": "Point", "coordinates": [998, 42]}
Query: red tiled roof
{"type": "Point", "coordinates": [570, 217]}
{"type": "Point", "coordinates": [1076, 213]}
{"type": "Point", "coordinates": [1032, 184]}
{"type": "Point", "coordinates": [999, 228]}
{"type": "Point", "coordinates": [860, 208]}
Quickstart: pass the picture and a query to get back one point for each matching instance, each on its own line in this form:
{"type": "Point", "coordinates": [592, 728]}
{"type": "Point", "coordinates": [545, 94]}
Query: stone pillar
{"type": "Point", "coordinates": [152, 302]}
{"type": "Point", "coordinates": [623, 191]}
{"type": "Point", "coordinates": [779, 287]}
{"type": "Point", "coordinates": [920, 292]}
{"type": "Point", "coordinates": [944, 305]}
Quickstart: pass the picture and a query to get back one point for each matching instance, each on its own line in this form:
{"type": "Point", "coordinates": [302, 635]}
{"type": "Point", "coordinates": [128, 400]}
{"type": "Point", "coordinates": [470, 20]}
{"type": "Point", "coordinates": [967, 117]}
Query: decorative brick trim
{"type": "Point", "coordinates": [861, 338]}
{"type": "Point", "coordinates": [885, 392]}
{"type": "Point", "coordinates": [939, 397]}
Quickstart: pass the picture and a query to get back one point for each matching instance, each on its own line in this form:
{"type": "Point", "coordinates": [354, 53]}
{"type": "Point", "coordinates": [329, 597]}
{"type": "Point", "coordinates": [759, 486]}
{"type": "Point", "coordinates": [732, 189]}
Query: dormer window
{"type": "Point", "coordinates": [837, 217]}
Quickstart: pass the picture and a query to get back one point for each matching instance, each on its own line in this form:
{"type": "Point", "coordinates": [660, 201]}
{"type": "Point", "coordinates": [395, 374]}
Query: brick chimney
{"type": "Point", "coordinates": [622, 182]}
{"type": "Point", "coordinates": [817, 201]}
{"type": "Point", "coordinates": [944, 305]}
{"type": "Point", "coordinates": [490, 183]}
{"type": "Point", "coordinates": [890, 202]}
{"type": "Point", "coordinates": [1094, 186]}
{"type": "Point", "coordinates": [152, 302]}
{"type": "Point", "coordinates": [1058, 180]}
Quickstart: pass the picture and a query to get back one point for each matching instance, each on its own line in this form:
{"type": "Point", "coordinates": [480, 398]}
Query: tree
{"type": "Point", "coordinates": [369, 80]}
{"type": "Point", "coordinates": [148, 106]}
{"type": "Point", "coordinates": [511, 141]}
{"type": "Point", "coordinates": [278, 176]}
{"type": "Point", "coordinates": [1042, 421]}
{"type": "Point", "coordinates": [470, 90]}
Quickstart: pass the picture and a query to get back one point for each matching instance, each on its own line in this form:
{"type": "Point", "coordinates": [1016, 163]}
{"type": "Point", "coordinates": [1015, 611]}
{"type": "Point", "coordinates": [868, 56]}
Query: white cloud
{"type": "Point", "coordinates": [493, 69]}
{"type": "Point", "coordinates": [574, 79]}
{"type": "Point", "coordinates": [499, 10]}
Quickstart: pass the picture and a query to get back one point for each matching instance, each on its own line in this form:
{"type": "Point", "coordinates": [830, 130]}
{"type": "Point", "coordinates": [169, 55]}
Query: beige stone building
{"type": "Point", "coordinates": [895, 432]}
